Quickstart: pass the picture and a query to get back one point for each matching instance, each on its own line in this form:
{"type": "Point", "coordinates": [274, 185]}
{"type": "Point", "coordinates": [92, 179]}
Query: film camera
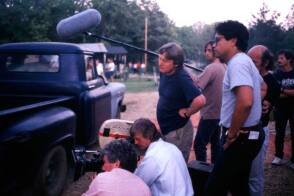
{"type": "Point", "coordinates": [86, 161]}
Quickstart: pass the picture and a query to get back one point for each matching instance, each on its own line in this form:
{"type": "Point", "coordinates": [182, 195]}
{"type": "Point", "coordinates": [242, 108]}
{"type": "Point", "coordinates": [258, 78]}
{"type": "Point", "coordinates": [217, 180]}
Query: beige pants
{"type": "Point", "coordinates": [182, 138]}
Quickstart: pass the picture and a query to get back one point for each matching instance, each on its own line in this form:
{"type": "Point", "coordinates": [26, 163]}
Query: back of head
{"type": "Point", "coordinates": [146, 128]}
{"type": "Point", "coordinates": [174, 52]}
{"type": "Point", "coordinates": [233, 29]}
{"type": "Point", "coordinates": [123, 151]}
{"type": "Point", "coordinates": [268, 60]}
{"type": "Point", "coordinates": [288, 54]}
{"type": "Point", "coordinates": [265, 55]}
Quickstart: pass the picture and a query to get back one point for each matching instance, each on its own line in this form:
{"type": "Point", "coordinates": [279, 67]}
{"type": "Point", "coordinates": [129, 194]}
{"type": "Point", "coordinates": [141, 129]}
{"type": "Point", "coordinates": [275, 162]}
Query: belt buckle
{"type": "Point", "coordinates": [243, 131]}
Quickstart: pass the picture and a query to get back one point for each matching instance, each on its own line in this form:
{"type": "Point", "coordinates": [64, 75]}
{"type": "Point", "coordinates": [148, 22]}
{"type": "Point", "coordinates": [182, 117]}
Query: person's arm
{"type": "Point", "coordinates": [197, 103]}
{"type": "Point", "coordinates": [204, 78]}
{"type": "Point", "coordinates": [148, 170]}
{"type": "Point", "coordinates": [263, 89]}
{"type": "Point", "coordinates": [244, 102]}
{"type": "Point", "coordinates": [287, 92]}
{"type": "Point", "coordinates": [94, 186]}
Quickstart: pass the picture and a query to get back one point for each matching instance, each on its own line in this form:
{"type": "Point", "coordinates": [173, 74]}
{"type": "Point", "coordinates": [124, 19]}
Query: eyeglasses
{"type": "Point", "coordinates": [217, 39]}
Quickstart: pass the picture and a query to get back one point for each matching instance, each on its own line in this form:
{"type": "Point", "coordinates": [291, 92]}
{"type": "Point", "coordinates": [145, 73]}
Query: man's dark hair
{"type": "Point", "coordinates": [123, 151]}
{"type": "Point", "coordinates": [267, 60]}
{"type": "Point", "coordinates": [288, 54]}
{"type": "Point", "coordinates": [233, 29]}
{"type": "Point", "coordinates": [173, 51]}
{"type": "Point", "coordinates": [146, 128]}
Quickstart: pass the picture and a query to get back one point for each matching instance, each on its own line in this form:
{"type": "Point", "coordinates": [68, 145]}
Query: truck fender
{"type": "Point", "coordinates": [58, 121]}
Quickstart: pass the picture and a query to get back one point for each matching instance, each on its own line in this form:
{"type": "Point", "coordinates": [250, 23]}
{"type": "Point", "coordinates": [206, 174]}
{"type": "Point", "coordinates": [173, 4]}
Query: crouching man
{"type": "Point", "coordinates": [120, 160]}
{"type": "Point", "coordinates": [163, 167]}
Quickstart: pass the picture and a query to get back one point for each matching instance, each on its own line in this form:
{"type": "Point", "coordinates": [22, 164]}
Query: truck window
{"type": "Point", "coordinates": [32, 63]}
{"type": "Point", "coordinates": [90, 65]}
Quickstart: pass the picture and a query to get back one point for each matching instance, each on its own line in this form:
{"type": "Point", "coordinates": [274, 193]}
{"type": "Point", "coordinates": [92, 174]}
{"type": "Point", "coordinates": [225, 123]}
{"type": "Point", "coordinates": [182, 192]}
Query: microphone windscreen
{"type": "Point", "coordinates": [78, 23]}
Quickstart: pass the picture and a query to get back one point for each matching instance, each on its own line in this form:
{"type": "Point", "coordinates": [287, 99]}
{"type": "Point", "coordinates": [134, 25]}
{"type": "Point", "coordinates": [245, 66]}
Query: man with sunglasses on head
{"type": "Point", "coordinates": [242, 133]}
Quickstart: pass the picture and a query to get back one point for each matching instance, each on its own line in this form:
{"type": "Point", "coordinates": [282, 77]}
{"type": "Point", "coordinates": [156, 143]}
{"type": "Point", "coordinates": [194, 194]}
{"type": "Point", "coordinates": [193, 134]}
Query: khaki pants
{"type": "Point", "coordinates": [182, 138]}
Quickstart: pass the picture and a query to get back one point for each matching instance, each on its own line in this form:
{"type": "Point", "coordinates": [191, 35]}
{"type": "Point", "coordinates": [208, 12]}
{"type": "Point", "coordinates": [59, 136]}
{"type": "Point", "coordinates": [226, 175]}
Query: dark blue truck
{"type": "Point", "coordinates": [48, 105]}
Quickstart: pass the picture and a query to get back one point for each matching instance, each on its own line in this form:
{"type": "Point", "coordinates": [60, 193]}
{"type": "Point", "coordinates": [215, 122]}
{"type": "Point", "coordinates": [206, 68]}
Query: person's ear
{"type": "Point", "coordinates": [234, 41]}
{"type": "Point", "coordinates": [117, 164]}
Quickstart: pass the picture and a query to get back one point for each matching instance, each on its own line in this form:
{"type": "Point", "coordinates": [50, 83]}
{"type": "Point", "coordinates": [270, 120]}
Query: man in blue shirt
{"type": "Point", "coordinates": [179, 98]}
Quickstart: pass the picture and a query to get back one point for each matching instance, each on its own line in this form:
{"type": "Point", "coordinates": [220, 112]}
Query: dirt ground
{"type": "Point", "coordinates": [279, 180]}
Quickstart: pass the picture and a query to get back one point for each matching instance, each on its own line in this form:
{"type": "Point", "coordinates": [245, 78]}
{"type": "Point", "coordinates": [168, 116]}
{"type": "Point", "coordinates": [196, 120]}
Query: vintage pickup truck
{"type": "Point", "coordinates": [48, 105]}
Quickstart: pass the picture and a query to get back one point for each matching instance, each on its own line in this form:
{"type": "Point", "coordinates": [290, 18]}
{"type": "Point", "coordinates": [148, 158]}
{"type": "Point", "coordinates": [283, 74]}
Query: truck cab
{"type": "Point", "coordinates": [50, 101]}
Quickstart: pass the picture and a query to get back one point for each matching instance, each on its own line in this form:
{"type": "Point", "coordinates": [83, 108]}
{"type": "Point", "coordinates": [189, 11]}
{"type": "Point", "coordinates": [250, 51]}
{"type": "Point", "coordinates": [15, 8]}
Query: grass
{"type": "Point", "coordinates": [143, 84]}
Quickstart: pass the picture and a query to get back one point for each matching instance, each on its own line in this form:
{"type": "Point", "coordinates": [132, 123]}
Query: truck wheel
{"type": "Point", "coordinates": [52, 175]}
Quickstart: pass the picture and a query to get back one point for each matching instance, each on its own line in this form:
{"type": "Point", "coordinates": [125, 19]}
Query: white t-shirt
{"type": "Point", "coordinates": [241, 71]}
{"type": "Point", "coordinates": [110, 66]}
{"type": "Point", "coordinates": [100, 68]}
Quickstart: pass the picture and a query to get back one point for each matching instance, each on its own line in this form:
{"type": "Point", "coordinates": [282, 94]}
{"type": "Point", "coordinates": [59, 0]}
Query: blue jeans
{"type": "Point", "coordinates": [208, 131]}
{"type": "Point", "coordinates": [256, 178]}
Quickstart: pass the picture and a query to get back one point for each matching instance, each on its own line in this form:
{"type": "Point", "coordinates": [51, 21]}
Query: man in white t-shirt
{"type": "Point", "coordinates": [243, 135]}
{"type": "Point", "coordinates": [110, 69]}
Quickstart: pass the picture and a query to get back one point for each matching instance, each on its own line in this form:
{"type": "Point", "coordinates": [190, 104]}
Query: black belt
{"type": "Point", "coordinates": [244, 130]}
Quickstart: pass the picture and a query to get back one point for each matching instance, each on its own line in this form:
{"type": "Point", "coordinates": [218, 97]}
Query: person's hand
{"type": "Point", "coordinates": [231, 137]}
{"type": "Point", "coordinates": [184, 113]}
{"type": "Point", "coordinates": [265, 106]}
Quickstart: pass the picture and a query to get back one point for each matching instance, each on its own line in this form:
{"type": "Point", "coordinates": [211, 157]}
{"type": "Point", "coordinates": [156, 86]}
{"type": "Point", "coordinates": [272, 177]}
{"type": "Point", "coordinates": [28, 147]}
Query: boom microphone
{"type": "Point", "coordinates": [78, 23]}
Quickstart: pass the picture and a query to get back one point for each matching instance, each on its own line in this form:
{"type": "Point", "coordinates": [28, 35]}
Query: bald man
{"type": "Point", "coordinates": [264, 61]}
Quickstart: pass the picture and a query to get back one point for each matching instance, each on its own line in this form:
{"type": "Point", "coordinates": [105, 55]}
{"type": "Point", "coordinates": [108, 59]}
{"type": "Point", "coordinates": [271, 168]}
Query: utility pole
{"type": "Point", "coordinates": [146, 42]}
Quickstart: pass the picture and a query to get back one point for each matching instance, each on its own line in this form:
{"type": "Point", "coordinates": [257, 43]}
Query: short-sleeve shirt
{"type": "Point", "coordinates": [272, 95]}
{"type": "Point", "coordinates": [286, 81]}
{"type": "Point", "coordinates": [210, 82]}
{"type": "Point", "coordinates": [241, 71]}
{"type": "Point", "coordinates": [176, 91]}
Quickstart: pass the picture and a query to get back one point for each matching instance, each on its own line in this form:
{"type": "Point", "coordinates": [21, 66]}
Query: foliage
{"type": "Point", "coordinates": [266, 31]}
{"type": "Point", "coordinates": [123, 20]}
{"type": "Point", "coordinates": [289, 22]}
{"type": "Point", "coordinates": [32, 20]}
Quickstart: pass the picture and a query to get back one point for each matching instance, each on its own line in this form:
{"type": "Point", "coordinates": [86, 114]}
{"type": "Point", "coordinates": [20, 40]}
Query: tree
{"type": "Point", "coordinates": [203, 33]}
{"type": "Point", "coordinates": [289, 22]}
{"type": "Point", "coordinates": [266, 31]}
{"type": "Point", "coordinates": [32, 20]}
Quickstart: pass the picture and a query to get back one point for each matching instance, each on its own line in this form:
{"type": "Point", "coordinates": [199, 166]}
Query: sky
{"type": "Point", "coordinates": [188, 12]}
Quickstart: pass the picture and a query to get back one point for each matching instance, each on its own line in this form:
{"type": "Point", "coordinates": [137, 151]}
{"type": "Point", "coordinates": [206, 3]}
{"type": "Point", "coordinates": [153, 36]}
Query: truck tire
{"type": "Point", "coordinates": [51, 177]}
